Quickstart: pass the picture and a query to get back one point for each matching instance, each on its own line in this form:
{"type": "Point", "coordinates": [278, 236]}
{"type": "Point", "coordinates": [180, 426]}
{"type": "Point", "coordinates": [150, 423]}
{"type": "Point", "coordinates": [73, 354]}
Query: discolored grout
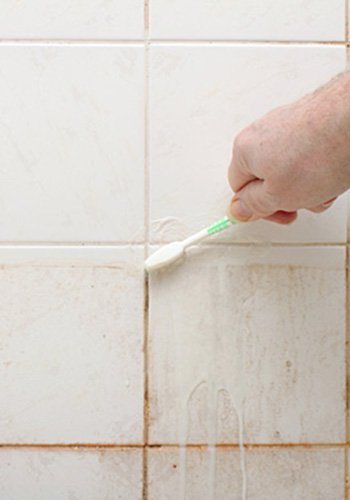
{"type": "Point", "coordinates": [145, 395]}
{"type": "Point", "coordinates": [347, 302]}
{"type": "Point", "coordinates": [57, 42]}
{"type": "Point", "coordinates": [146, 252]}
{"type": "Point", "coordinates": [347, 366]}
{"type": "Point", "coordinates": [233, 42]}
{"type": "Point", "coordinates": [140, 446]}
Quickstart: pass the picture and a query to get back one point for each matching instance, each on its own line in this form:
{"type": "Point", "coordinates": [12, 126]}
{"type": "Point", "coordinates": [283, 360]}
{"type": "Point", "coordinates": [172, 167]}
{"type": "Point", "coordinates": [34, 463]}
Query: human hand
{"type": "Point", "coordinates": [297, 156]}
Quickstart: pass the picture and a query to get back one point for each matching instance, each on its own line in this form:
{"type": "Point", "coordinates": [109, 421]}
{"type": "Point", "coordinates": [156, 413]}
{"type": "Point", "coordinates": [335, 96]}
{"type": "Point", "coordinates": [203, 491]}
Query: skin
{"type": "Point", "coordinates": [297, 156]}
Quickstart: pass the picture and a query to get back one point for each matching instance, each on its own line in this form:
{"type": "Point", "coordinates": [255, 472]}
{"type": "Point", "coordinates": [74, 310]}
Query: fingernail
{"type": "Point", "coordinates": [240, 211]}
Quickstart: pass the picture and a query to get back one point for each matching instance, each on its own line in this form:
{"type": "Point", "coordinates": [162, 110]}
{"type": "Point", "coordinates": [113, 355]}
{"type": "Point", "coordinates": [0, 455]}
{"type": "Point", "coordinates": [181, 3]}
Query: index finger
{"type": "Point", "coordinates": [238, 173]}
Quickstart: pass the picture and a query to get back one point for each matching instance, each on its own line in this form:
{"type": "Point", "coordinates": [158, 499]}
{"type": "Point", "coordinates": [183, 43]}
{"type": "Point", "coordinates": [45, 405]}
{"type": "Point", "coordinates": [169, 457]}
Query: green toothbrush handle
{"type": "Point", "coordinates": [220, 225]}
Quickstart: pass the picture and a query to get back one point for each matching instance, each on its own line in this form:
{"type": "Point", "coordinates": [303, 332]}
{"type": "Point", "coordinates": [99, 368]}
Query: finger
{"type": "Point", "coordinates": [253, 202]}
{"type": "Point", "coordinates": [324, 206]}
{"type": "Point", "coordinates": [282, 217]}
{"type": "Point", "coordinates": [238, 174]}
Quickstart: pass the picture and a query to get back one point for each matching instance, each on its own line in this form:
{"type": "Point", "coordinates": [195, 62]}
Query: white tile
{"type": "Point", "coordinates": [74, 474]}
{"type": "Point", "coordinates": [71, 150]}
{"type": "Point", "coordinates": [248, 19]}
{"type": "Point", "coordinates": [200, 98]}
{"type": "Point", "coordinates": [248, 344]}
{"type": "Point", "coordinates": [271, 474]}
{"type": "Point", "coordinates": [81, 19]}
{"type": "Point", "coordinates": [71, 337]}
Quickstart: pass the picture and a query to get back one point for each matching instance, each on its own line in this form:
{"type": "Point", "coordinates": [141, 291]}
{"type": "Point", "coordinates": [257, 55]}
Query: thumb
{"type": "Point", "coordinates": [253, 202]}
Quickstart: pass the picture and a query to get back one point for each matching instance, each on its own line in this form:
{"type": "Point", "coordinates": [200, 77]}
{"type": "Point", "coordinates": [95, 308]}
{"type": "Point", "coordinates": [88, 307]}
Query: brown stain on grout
{"type": "Point", "coordinates": [140, 42]}
{"type": "Point", "coordinates": [146, 17]}
{"type": "Point", "coordinates": [141, 446]}
{"type": "Point", "coordinates": [146, 392]}
{"type": "Point", "coordinates": [146, 252]}
{"type": "Point", "coordinates": [347, 373]}
{"type": "Point", "coordinates": [228, 41]}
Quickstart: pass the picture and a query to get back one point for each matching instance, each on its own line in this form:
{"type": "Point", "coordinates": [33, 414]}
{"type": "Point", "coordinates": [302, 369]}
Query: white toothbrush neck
{"type": "Point", "coordinates": [195, 238]}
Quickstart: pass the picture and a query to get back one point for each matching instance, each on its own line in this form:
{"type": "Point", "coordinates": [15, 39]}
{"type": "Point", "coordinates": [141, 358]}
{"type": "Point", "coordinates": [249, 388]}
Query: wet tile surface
{"type": "Point", "coordinates": [248, 344]}
{"type": "Point", "coordinates": [270, 474]}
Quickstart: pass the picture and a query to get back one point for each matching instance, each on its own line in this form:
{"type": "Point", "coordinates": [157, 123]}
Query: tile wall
{"type": "Point", "coordinates": [224, 377]}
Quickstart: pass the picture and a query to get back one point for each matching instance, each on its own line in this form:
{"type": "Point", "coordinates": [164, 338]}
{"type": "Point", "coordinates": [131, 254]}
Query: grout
{"type": "Point", "coordinates": [219, 42]}
{"type": "Point", "coordinates": [147, 243]}
{"type": "Point", "coordinates": [347, 301]}
{"type": "Point", "coordinates": [145, 393]}
{"type": "Point", "coordinates": [75, 244]}
{"type": "Point", "coordinates": [71, 445]}
{"type": "Point", "coordinates": [255, 445]}
{"type": "Point", "coordinates": [347, 372]}
{"type": "Point", "coordinates": [157, 41]}
{"type": "Point", "coordinates": [168, 445]}
{"type": "Point", "coordinates": [261, 244]}
{"type": "Point", "coordinates": [70, 42]}
{"type": "Point", "coordinates": [346, 475]}
{"type": "Point", "coordinates": [146, 252]}
{"type": "Point", "coordinates": [146, 19]}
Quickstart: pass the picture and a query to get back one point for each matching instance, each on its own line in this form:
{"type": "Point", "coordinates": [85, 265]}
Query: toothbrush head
{"type": "Point", "coordinates": [165, 256]}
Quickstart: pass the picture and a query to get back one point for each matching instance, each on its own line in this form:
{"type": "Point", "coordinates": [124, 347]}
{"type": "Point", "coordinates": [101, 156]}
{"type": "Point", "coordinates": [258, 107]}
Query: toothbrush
{"type": "Point", "coordinates": [172, 252]}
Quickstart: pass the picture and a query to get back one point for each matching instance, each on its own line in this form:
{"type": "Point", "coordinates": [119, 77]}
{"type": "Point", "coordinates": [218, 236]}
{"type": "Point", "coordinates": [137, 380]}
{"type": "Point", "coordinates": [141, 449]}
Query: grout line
{"type": "Point", "coordinates": [168, 445]}
{"type": "Point", "coordinates": [347, 301]}
{"type": "Point", "coordinates": [347, 370]}
{"type": "Point", "coordinates": [159, 41]}
{"type": "Point", "coordinates": [346, 476]}
{"type": "Point", "coordinates": [75, 244]}
{"type": "Point", "coordinates": [179, 41]}
{"type": "Point", "coordinates": [71, 445]}
{"type": "Point", "coordinates": [69, 42]}
{"type": "Point", "coordinates": [255, 445]}
{"type": "Point", "coordinates": [146, 242]}
{"type": "Point", "coordinates": [260, 244]}
{"type": "Point", "coordinates": [146, 252]}
{"type": "Point", "coordinates": [145, 394]}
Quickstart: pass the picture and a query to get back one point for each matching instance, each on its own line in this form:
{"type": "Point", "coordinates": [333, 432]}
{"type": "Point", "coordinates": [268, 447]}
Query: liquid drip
{"type": "Point", "coordinates": [220, 359]}
{"type": "Point", "coordinates": [183, 437]}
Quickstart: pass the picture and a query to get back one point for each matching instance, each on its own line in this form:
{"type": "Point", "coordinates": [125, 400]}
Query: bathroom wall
{"type": "Point", "coordinates": [223, 377]}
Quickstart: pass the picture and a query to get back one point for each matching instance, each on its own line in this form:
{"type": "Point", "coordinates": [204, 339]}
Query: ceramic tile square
{"type": "Point", "coordinates": [247, 344]}
{"type": "Point", "coordinates": [81, 19]}
{"type": "Point", "coordinates": [31, 474]}
{"type": "Point", "coordinates": [270, 474]}
{"type": "Point", "coordinates": [71, 147]}
{"type": "Point", "coordinates": [248, 19]}
{"type": "Point", "coordinates": [200, 98]}
{"type": "Point", "coordinates": [71, 362]}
